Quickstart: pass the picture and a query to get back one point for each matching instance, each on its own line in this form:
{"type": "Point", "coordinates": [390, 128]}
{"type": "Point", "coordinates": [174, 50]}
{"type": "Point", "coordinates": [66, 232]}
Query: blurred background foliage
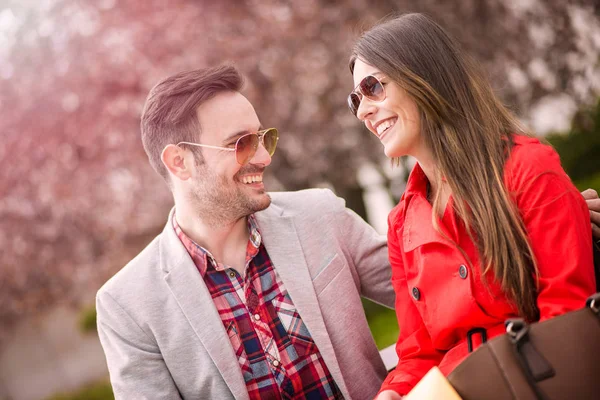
{"type": "Point", "coordinates": [95, 391]}
{"type": "Point", "coordinates": [579, 148]}
{"type": "Point", "coordinates": [79, 198]}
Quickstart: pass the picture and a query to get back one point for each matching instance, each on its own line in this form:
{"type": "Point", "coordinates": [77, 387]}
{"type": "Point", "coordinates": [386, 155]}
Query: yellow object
{"type": "Point", "coordinates": [433, 386]}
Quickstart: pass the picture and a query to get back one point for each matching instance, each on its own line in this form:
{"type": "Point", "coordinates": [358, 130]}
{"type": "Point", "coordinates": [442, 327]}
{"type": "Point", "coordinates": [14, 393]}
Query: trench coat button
{"type": "Point", "coordinates": [463, 272]}
{"type": "Point", "coordinates": [416, 293]}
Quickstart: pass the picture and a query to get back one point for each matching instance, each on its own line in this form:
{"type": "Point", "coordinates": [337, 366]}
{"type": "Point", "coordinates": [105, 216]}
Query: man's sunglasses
{"type": "Point", "coordinates": [371, 88]}
{"type": "Point", "coordinates": [246, 145]}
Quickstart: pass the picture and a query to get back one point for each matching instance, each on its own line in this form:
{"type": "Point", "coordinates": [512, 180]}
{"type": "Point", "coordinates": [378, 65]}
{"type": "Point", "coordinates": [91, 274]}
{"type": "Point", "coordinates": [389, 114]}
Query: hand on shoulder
{"type": "Point", "coordinates": [593, 203]}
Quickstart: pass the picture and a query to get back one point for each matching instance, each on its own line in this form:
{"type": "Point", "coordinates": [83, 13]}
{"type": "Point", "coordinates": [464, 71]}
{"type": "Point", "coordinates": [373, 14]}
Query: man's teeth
{"type": "Point", "coordinates": [384, 125]}
{"type": "Point", "coordinates": [252, 179]}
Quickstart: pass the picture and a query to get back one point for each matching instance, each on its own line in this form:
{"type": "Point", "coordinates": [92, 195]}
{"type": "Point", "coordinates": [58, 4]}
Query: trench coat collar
{"type": "Point", "coordinates": [418, 223]}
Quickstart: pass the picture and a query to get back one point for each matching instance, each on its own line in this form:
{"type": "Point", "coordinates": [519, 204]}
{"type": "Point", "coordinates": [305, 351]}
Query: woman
{"type": "Point", "coordinates": [490, 227]}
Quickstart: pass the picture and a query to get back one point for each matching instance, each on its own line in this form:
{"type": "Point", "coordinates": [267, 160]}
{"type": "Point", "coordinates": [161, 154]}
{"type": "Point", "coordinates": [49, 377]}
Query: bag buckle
{"type": "Point", "coordinates": [470, 334]}
{"type": "Point", "coordinates": [593, 302]}
{"type": "Point", "coordinates": [517, 329]}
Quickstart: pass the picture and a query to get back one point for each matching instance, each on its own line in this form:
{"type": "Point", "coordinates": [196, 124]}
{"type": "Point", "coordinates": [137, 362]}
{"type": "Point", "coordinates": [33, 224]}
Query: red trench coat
{"type": "Point", "coordinates": [440, 296]}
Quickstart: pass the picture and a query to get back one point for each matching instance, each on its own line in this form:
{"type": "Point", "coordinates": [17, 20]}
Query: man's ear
{"type": "Point", "coordinates": [175, 161]}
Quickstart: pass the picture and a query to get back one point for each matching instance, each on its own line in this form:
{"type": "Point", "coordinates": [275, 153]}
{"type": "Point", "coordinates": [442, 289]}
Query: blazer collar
{"type": "Point", "coordinates": [188, 288]}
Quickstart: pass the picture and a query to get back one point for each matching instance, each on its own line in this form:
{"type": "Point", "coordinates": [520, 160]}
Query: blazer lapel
{"type": "Point", "coordinates": [195, 301]}
{"type": "Point", "coordinates": [283, 245]}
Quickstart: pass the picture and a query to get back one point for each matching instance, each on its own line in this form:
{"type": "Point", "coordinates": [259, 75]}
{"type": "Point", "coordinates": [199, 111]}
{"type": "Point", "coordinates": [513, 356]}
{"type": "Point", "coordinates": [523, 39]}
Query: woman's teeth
{"type": "Point", "coordinates": [385, 125]}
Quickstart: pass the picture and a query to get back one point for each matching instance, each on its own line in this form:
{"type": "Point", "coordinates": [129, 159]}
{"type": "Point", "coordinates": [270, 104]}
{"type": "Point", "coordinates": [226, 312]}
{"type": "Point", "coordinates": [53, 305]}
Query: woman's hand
{"type": "Point", "coordinates": [593, 203]}
{"type": "Point", "coordinates": [388, 395]}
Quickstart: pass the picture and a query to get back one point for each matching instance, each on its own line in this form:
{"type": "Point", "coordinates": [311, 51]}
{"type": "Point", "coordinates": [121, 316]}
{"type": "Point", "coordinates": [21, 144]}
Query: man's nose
{"type": "Point", "coordinates": [261, 156]}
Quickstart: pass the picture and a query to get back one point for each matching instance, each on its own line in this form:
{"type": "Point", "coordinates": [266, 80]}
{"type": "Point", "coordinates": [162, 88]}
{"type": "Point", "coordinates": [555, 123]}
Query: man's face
{"type": "Point", "coordinates": [221, 187]}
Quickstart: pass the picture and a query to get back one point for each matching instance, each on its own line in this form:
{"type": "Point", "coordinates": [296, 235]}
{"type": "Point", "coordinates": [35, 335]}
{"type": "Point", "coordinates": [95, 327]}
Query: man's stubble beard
{"type": "Point", "coordinates": [220, 201]}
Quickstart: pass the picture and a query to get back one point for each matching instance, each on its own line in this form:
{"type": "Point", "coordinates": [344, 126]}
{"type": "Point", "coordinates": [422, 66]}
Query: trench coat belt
{"type": "Point", "coordinates": [477, 336]}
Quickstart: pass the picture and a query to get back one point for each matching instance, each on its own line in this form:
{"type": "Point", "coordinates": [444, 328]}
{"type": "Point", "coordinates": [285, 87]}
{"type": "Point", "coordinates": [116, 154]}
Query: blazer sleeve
{"type": "Point", "coordinates": [136, 367]}
{"type": "Point", "coordinates": [368, 251]}
{"type": "Point", "coordinates": [558, 224]}
{"type": "Point", "coordinates": [415, 350]}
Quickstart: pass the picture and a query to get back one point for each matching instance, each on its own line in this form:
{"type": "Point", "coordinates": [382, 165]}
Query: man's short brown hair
{"type": "Point", "coordinates": [169, 115]}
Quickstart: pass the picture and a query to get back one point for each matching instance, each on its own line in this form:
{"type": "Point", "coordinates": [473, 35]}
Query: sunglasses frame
{"type": "Point", "coordinates": [261, 140]}
{"type": "Point", "coordinates": [359, 94]}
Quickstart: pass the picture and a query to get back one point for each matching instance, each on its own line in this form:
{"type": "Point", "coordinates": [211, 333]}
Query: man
{"type": "Point", "coordinates": [244, 295]}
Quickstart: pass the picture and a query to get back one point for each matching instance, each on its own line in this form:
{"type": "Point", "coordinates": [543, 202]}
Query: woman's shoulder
{"type": "Point", "coordinates": [529, 158]}
{"type": "Point", "coordinates": [531, 151]}
{"type": "Point", "coordinates": [396, 216]}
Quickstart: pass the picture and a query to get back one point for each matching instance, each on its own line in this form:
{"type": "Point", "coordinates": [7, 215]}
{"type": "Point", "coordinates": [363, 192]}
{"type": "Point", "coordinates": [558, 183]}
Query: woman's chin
{"type": "Point", "coordinates": [392, 152]}
{"type": "Point", "coordinates": [395, 147]}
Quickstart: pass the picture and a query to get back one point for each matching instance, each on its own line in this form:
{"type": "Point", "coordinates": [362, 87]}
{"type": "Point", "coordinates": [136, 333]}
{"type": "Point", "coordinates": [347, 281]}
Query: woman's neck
{"type": "Point", "coordinates": [435, 185]}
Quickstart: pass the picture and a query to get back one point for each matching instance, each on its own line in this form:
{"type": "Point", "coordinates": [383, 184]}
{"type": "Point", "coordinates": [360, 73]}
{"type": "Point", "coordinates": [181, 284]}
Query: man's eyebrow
{"type": "Point", "coordinates": [236, 135]}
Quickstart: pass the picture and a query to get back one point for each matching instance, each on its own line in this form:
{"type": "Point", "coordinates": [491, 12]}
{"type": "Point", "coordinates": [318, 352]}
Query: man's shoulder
{"type": "Point", "coordinates": [137, 270]}
{"type": "Point", "coordinates": [306, 199]}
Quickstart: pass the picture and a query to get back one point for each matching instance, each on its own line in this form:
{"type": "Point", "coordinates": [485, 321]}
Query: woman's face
{"type": "Point", "coordinates": [395, 120]}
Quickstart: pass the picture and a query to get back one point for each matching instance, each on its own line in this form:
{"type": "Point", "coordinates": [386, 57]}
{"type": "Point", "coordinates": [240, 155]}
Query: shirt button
{"type": "Point", "coordinates": [256, 317]}
{"type": "Point", "coordinates": [276, 363]}
{"type": "Point", "coordinates": [463, 272]}
{"type": "Point", "coordinates": [232, 274]}
{"type": "Point", "coordinates": [416, 293]}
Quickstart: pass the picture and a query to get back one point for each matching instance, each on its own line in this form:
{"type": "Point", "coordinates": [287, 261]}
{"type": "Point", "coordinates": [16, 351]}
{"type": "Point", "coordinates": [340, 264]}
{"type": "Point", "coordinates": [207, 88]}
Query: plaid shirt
{"type": "Point", "coordinates": [276, 353]}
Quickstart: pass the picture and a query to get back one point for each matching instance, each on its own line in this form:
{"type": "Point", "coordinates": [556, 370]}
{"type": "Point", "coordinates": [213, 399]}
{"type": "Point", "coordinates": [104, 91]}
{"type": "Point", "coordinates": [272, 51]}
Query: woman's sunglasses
{"type": "Point", "coordinates": [371, 88]}
{"type": "Point", "coordinates": [246, 145]}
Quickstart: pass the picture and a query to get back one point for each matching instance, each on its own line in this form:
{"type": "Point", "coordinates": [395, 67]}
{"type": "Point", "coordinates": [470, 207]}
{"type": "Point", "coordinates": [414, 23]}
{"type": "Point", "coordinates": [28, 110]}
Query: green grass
{"type": "Point", "coordinates": [383, 324]}
{"type": "Point", "coordinates": [87, 319]}
{"type": "Point", "coordinates": [94, 391]}
{"type": "Point", "coordinates": [592, 182]}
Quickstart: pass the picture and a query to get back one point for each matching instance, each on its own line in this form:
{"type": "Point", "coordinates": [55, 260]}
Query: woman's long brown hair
{"type": "Point", "coordinates": [469, 132]}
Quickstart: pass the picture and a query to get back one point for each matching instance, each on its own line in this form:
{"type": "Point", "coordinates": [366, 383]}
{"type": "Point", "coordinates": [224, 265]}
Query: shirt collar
{"type": "Point", "coordinates": [255, 237]}
{"type": "Point", "coordinates": [202, 256]}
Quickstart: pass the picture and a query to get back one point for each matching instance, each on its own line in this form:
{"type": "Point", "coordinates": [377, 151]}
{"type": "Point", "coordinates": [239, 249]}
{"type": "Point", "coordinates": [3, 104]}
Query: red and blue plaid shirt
{"type": "Point", "coordinates": [277, 355]}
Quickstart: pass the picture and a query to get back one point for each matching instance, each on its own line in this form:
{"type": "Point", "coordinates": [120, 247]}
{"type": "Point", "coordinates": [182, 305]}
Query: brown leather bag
{"type": "Point", "coordinates": [555, 359]}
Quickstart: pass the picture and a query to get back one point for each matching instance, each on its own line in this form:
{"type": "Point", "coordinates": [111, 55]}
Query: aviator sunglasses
{"type": "Point", "coordinates": [371, 88]}
{"type": "Point", "coordinates": [246, 145]}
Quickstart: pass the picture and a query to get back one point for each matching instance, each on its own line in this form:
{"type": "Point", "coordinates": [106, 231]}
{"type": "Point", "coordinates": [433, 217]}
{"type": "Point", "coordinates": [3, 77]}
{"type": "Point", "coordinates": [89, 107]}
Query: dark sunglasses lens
{"type": "Point", "coordinates": [353, 103]}
{"type": "Point", "coordinates": [270, 139]}
{"type": "Point", "coordinates": [372, 88]}
{"type": "Point", "coordinates": [245, 148]}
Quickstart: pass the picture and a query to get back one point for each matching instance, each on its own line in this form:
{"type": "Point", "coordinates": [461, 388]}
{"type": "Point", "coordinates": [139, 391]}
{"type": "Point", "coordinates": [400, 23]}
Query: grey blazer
{"type": "Point", "coordinates": [163, 338]}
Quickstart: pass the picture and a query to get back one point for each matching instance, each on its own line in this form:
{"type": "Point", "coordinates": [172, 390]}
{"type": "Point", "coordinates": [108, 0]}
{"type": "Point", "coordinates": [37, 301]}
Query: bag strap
{"type": "Point", "coordinates": [535, 367]}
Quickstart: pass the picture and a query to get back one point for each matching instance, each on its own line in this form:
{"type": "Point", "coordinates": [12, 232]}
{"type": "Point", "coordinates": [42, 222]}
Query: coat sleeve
{"type": "Point", "coordinates": [368, 251]}
{"type": "Point", "coordinates": [136, 367]}
{"type": "Point", "coordinates": [558, 224]}
{"type": "Point", "coordinates": [415, 350]}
